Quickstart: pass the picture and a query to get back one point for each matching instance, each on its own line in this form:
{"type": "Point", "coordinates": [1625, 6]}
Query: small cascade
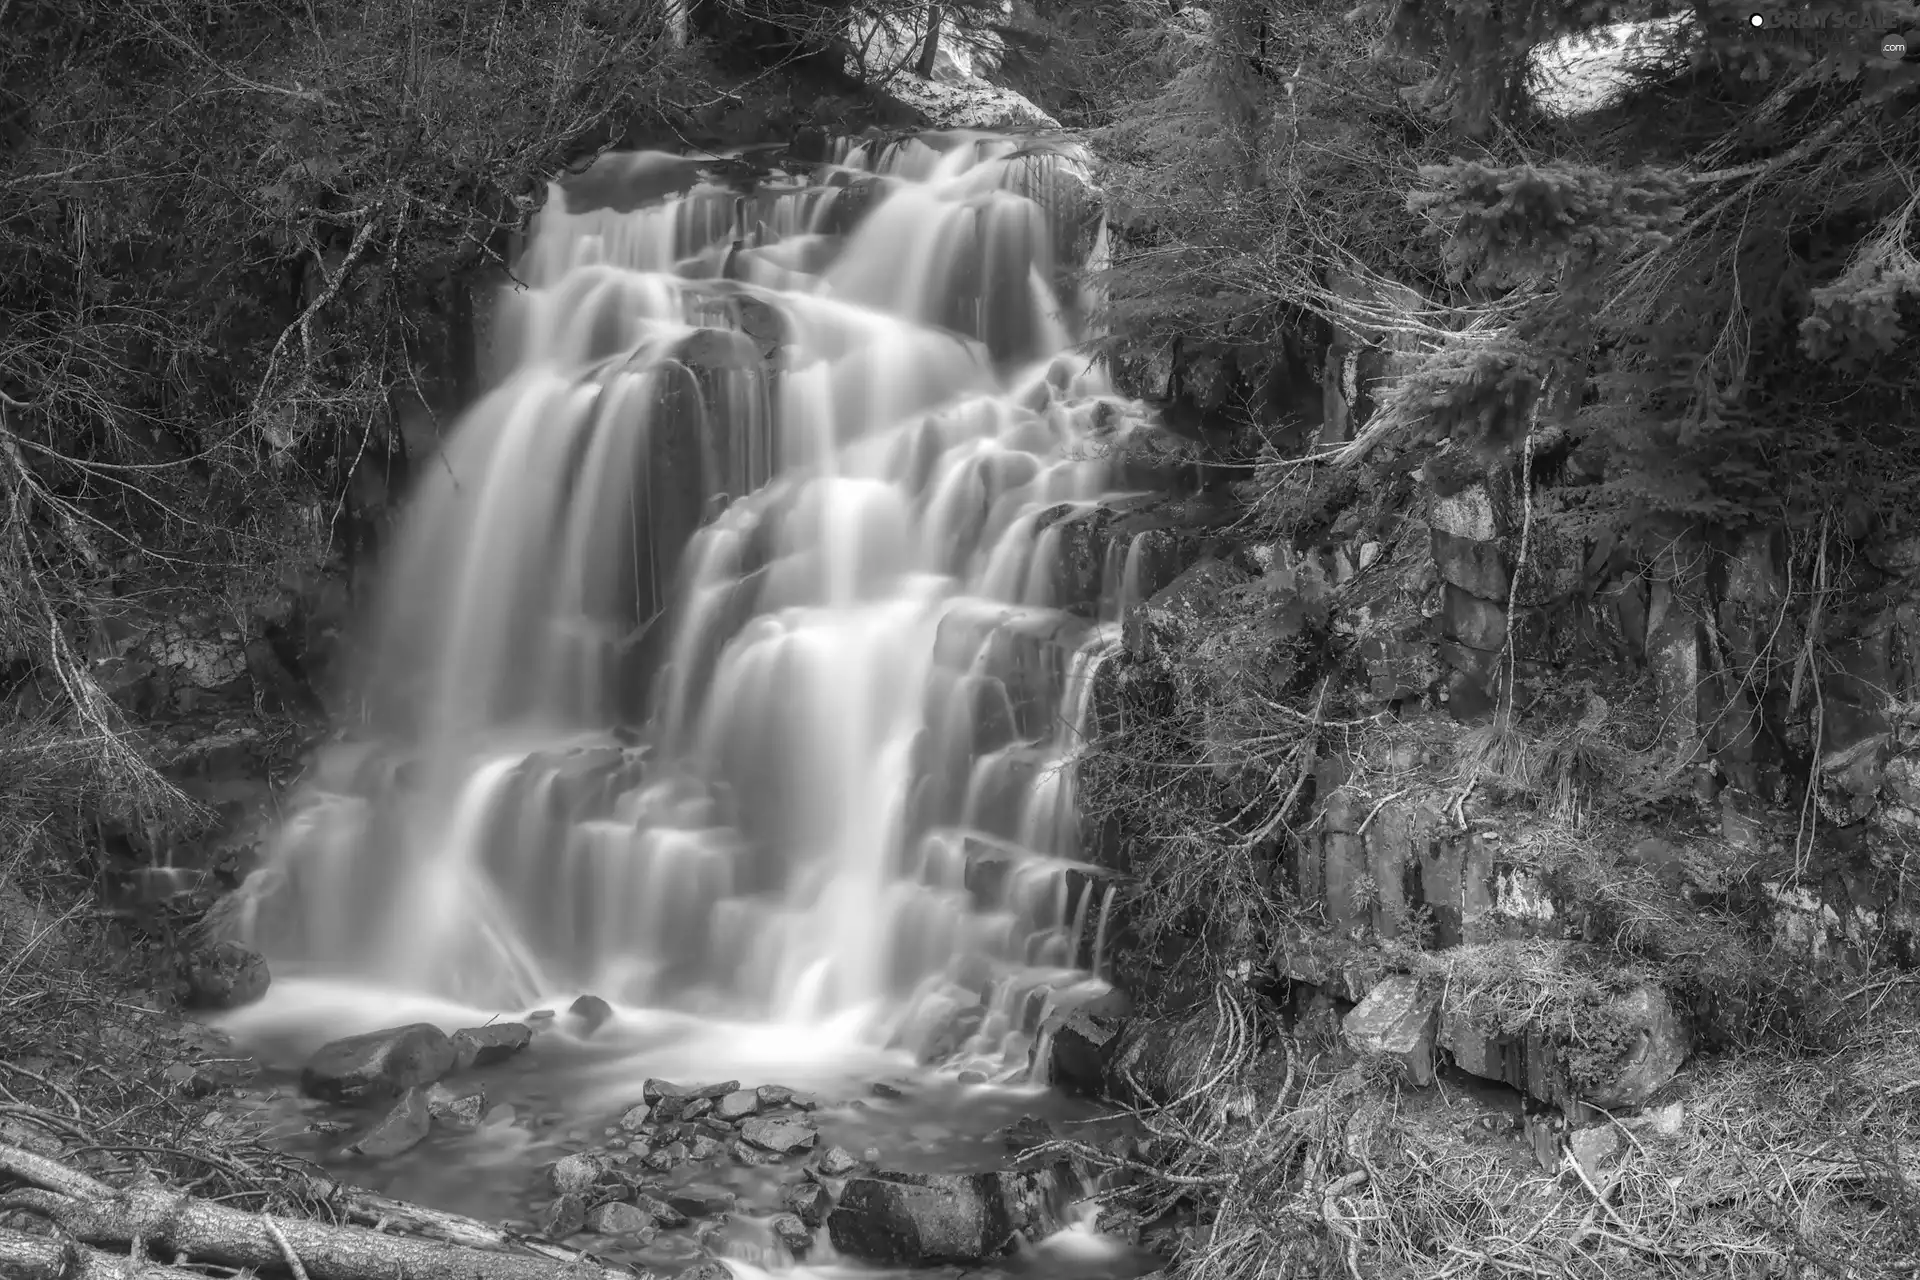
{"type": "Point", "coordinates": [732, 659]}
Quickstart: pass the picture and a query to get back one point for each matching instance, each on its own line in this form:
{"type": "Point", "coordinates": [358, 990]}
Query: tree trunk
{"type": "Point", "coordinates": [368, 1208]}
{"type": "Point", "coordinates": [31, 1257]}
{"type": "Point", "coordinates": [176, 1224]}
{"type": "Point", "coordinates": [930, 47]}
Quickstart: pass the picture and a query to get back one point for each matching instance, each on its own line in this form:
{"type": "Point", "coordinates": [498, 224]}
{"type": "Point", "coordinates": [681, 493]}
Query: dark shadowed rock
{"type": "Point", "coordinates": [707, 1271]}
{"type": "Point", "coordinates": [590, 1013]}
{"type": "Point", "coordinates": [779, 1134]}
{"type": "Point", "coordinates": [225, 975]}
{"type": "Point", "coordinates": [402, 1129]}
{"type": "Point", "coordinates": [916, 1219]}
{"type": "Point", "coordinates": [489, 1045]}
{"type": "Point", "coordinates": [379, 1064]}
{"type": "Point", "coordinates": [1072, 1050]}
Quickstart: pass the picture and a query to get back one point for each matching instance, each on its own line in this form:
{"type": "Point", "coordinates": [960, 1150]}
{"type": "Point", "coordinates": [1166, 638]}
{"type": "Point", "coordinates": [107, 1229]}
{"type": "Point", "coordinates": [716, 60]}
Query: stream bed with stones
{"type": "Point", "coordinates": [569, 1131]}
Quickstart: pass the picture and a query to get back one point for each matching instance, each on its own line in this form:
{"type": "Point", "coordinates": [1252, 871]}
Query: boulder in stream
{"type": "Point", "coordinates": [489, 1045]}
{"type": "Point", "coordinates": [930, 1219]}
{"type": "Point", "coordinates": [835, 1162]}
{"type": "Point", "coordinates": [590, 1013]}
{"type": "Point", "coordinates": [379, 1064]}
{"type": "Point", "coordinates": [781, 1135]}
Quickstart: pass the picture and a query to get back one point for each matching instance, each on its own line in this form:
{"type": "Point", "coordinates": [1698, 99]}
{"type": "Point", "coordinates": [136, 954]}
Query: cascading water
{"type": "Point", "coordinates": [731, 662]}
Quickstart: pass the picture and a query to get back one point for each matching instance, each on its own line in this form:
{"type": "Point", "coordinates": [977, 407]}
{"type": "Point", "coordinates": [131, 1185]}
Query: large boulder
{"type": "Point", "coordinates": [932, 1219]}
{"type": "Point", "coordinates": [1131, 1061]}
{"type": "Point", "coordinates": [379, 1064]}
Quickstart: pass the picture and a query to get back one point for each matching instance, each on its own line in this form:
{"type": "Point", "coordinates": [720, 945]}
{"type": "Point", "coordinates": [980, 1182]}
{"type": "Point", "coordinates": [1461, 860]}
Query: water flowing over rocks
{"type": "Point", "coordinates": [834, 398]}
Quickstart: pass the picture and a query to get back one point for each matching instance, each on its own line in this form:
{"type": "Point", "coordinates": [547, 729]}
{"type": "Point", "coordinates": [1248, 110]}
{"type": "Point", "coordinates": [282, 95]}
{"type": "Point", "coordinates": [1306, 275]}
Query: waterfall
{"type": "Point", "coordinates": [730, 658]}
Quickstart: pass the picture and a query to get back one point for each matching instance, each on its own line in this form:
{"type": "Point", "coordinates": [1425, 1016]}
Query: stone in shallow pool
{"type": "Point", "coordinates": [618, 1219]}
{"type": "Point", "coordinates": [451, 1109]}
{"type": "Point", "coordinates": [737, 1105]}
{"type": "Point", "coordinates": [564, 1217]}
{"type": "Point", "coordinates": [655, 1090]}
{"type": "Point", "coordinates": [574, 1173]}
{"type": "Point", "coordinates": [836, 1162]}
{"type": "Point", "coordinates": [489, 1045]}
{"type": "Point", "coordinates": [402, 1129]}
{"type": "Point", "coordinates": [781, 1136]}
{"type": "Point", "coordinates": [791, 1232]}
{"type": "Point", "coordinates": [590, 1013]}
{"type": "Point", "coordinates": [660, 1211]}
{"type": "Point", "coordinates": [703, 1201]}
{"type": "Point", "coordinates": [773, 1096]}
{"type": "Point", "coordinates": [707, 1271]}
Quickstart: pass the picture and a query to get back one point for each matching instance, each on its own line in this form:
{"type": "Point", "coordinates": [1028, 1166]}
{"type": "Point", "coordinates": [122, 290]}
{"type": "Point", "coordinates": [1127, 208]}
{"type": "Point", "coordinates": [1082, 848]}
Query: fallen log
{"type": "Point", "coordinates": [370, 1209]}
{"type": "Point", "coordinates": [31, 1257]}
{"type": "Point", "coordinates": [172, 1223]}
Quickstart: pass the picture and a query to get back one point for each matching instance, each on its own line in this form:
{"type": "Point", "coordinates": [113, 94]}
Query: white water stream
{"type": "Point", "coordinates": [729, 665]}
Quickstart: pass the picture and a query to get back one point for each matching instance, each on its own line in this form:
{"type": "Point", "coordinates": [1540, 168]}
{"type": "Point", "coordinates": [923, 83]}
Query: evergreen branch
{"type": "Point", "coordinates": [1821, 137]}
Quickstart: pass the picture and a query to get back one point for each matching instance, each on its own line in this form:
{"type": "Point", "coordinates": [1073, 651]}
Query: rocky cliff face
{"type": "Point", "coordinates": [1512, 800]}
